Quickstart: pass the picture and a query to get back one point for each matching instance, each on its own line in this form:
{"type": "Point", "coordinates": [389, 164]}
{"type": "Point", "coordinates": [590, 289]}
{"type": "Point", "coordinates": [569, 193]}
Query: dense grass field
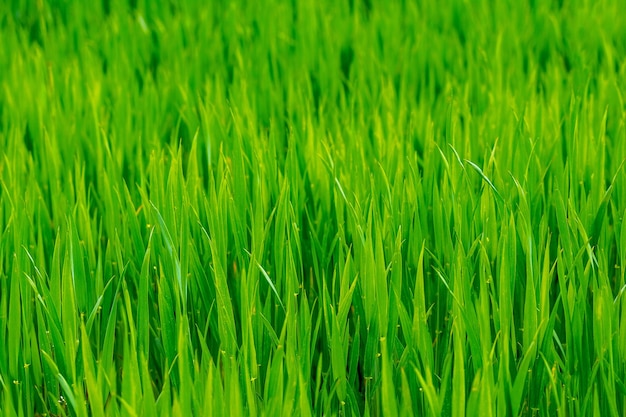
{"type": "Point", "coordinates": [353, 207]}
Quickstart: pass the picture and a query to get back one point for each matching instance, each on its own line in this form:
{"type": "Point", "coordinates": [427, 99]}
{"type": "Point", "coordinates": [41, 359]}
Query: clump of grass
{"type": "Point", "coordinates": [313, 208]}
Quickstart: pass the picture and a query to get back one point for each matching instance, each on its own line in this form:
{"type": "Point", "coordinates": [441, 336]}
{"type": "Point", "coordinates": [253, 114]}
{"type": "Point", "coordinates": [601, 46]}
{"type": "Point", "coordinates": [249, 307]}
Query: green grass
{"type": "Point", "coordinates": [312, 208]}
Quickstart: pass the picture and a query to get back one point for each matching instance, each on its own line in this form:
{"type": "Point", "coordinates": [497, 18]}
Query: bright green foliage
{"type": "Point", "coordinates": [352, 207]}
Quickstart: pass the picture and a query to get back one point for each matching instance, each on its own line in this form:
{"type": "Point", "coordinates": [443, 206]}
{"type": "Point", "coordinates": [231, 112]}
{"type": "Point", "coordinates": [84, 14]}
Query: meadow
{"type": "Point", "coordinates": [298, 208]}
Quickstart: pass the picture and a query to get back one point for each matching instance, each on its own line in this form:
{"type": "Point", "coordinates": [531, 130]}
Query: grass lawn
{"type": "Point", "coordinates": [312, 207]}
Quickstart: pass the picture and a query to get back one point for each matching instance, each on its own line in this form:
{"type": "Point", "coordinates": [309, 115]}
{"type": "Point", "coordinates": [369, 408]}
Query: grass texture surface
{"type": "Point", "coordinates": [297, 208]}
